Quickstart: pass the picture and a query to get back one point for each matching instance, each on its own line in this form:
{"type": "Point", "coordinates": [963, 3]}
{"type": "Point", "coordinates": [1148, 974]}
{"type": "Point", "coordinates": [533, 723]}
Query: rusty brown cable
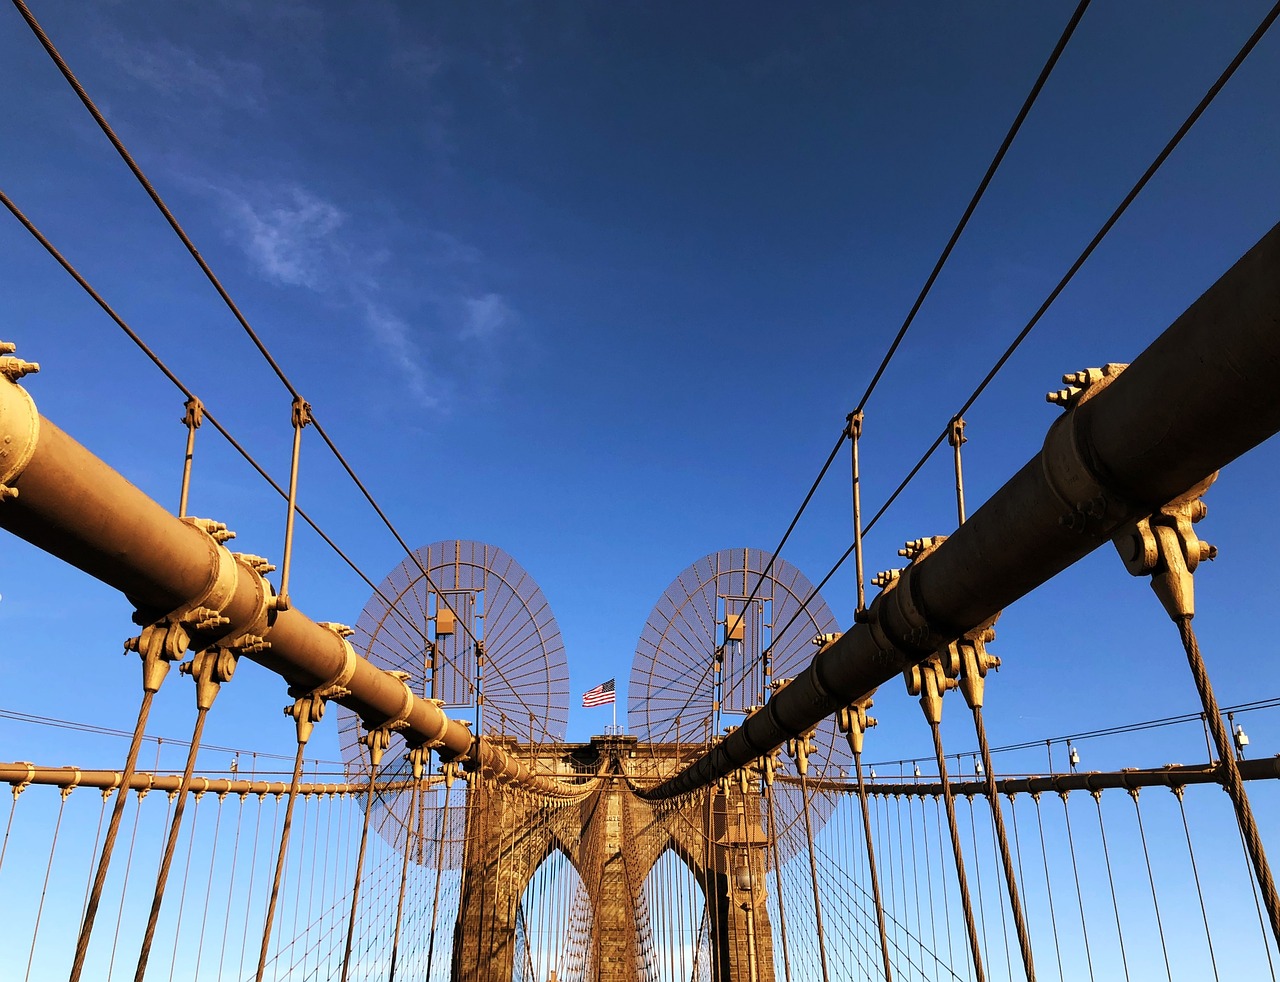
{"type": "Point", "coordinates": [977, 875]}
{"type": "Point", "coordinates": [958, 853]}
{"type": "Point", "coordinates": [171, 843]}
{"type": "Point", "coordinates": [871, 866]}
{"type": "Point", "coordinates": [159, 202]}
{"type": "Point", "coordinates": [1253, 888]}
{"type": "Point", "coordinates": [113, 829]}
{"type": "Point", "coordinates": [813, 872]}
{"type": "Point", "coordinates": [1230, 772]}
{"type": "Point", "coordinates": [1115, 904]}
{"type": "Point", "coordinates": [123, 151]}
{"type": "Point", "coordinates": [181, 387]}
{"type": "Point", "coordinates": [977, 197]}
{"type": "Point", "coordinates": [1093, 244]}
{"type": "Point", "coordinates": [128, 868]}
{"type": "Point", "coordinates": [1075, 267]}
{"type": "Point", "coordinates": [1002, 841]}
{"type": "Point", "coordinates": [281, 857]}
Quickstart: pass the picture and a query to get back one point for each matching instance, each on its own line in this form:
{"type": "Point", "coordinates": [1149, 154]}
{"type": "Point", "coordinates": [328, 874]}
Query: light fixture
{"type": "Point", "coordinates": [1242, 739]}
{"type": "Point", "coordinates": [1073, 755]}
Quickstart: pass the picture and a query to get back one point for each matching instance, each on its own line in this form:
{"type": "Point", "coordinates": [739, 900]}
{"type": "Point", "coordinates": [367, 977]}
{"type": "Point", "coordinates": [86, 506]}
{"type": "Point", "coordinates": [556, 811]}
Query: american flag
{"type": "Point", "coordinates": [601, 695]}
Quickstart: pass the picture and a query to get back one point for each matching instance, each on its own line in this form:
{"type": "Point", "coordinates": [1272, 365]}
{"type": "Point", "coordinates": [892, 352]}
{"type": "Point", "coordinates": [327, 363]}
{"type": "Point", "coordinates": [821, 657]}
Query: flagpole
{"type": "Point", "coordinates": [615, 714]}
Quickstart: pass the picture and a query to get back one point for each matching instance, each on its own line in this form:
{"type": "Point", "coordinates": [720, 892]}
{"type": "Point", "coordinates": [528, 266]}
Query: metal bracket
{"type": "Point", "coordinates": [14, 401]}
{"type": "Point", "coordinates": [931, 680]}
{"type": "Point", "coordinates": [1165, 546]}
{"type": "Point", "coordinates": [798, 749]}
{"type": "Point", "coordinates": [209, 668]}
{"type": "Point", "coordinates": [854, 722]}
{"type": "Point", "coordinates": [970, 651]}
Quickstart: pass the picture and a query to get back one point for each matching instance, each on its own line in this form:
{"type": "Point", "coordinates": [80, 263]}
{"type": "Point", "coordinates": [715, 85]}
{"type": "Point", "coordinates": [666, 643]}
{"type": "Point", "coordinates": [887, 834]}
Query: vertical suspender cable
{"type": "Point", "coordinates": [1075, 872]}
{"type": "Point", "coordinates": [813, 872]}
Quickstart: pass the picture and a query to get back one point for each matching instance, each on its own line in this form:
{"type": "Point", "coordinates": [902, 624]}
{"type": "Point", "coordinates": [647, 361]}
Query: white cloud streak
{"type": "Point", "coordinates": [293, 237]}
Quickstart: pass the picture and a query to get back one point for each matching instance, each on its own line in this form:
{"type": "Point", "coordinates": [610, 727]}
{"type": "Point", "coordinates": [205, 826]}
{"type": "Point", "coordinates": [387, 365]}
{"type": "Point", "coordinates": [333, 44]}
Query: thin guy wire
{"type": "Point", "coordinates": [177, 382]}
{"type": "Point", "coordinates": [933, 275]}
{"type": "Point", "coordinates": [1195, 873]}
{"type": "Point", "coordinates": [1115, 904]}
{"type": "Point", "coordinates": [44, 889]}
{"type": "Point", "coordinates": [1155, 900]}
{"type": "Point", "coordinates": [1075, 872]}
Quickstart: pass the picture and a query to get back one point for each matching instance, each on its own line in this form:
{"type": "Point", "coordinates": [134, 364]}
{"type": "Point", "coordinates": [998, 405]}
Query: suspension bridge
{"type": "Point", "coordinates": [744, 825]}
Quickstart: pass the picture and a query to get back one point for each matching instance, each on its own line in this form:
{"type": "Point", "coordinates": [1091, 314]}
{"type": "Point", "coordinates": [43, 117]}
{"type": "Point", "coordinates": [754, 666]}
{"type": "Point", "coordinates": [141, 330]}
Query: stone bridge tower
{"type": "Point", "coordinates": [613, 838]}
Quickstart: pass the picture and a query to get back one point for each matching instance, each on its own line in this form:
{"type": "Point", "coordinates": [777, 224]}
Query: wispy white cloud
{"type": "Point", "coordinates": [486, 317]}
{"type": "Point", "coordinates": [294, 237]}
{"type": "Point", "coordinates": [289, 234]}
{"type": "Point", "coordinates": [178, 73]}
{"type": "Point", "coordinates": [395, 336]}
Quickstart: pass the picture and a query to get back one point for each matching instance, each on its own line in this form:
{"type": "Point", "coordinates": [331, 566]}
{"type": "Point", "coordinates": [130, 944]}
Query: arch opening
{"type": "Point", "coordinates": [673, 923]}
{"type": "Point", "coordinates": [553, 924]}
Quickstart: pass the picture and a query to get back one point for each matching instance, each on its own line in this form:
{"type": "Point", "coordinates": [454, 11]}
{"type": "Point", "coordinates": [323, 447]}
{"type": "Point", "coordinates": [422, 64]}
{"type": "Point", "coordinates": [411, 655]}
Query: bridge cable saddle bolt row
{"type": "Point", "coordinates": [1084, 385]}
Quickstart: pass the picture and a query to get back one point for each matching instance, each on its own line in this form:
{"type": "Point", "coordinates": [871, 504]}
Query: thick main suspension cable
{"type": "Point", "coordinates": [1142, 450]}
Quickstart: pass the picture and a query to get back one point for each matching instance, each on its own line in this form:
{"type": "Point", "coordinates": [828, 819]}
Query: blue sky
{"type": "Point", "coordinates": [598, 284]}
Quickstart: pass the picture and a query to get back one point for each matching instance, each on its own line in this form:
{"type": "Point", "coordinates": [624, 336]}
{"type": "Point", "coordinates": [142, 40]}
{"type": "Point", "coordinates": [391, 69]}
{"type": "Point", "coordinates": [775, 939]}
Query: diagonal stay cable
{"type": "Point", "coordinates": [977, 197]}
{"type": "Point", "coordinates": [159, 202]}
{"type": "Point", "coordinates": [180, 385]}
{"type": "Point", "coordinates": [1023, 112]}
{"type": "Point", "coordinates": [1088, 251]}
